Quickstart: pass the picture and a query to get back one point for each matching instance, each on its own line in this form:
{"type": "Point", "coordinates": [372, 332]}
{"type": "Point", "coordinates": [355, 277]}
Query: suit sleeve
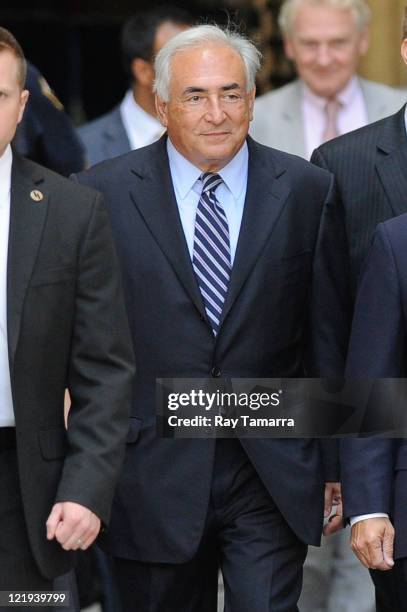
{"type": "Point", "coordinates": [330, 309]}
{"type": "Point", "coordinates": [100, 374]}
{"type": "Point", "coordinates": [330, 297]}
{"type": "Point", "coordinates": [376, 350]}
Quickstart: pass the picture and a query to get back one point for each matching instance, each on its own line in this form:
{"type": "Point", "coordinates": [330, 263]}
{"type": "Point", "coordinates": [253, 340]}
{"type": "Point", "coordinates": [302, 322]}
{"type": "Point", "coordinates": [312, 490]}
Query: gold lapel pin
{"type": "Point", "coordinates": [36, 195]}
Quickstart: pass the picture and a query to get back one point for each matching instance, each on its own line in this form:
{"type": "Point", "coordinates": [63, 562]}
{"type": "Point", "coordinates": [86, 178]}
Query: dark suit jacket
{"type": "Point", "coordinates": [375, 470]}
{"type": "Point", "coordinates": [369, 165]}
{"type": "Point", "coordinates": [67, 328]}
{"type": "Point", "coordinates": [104, 137]}
{"type": "Point", "coordinates": [290, 235]}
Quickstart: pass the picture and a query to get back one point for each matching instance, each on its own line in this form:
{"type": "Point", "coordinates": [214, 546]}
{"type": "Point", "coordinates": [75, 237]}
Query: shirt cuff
{"type": "Point", "coordinates": [363, 517]}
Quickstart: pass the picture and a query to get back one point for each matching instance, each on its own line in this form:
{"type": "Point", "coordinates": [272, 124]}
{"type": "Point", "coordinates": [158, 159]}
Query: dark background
{"type": "Point", "coordinates": [75, 43]}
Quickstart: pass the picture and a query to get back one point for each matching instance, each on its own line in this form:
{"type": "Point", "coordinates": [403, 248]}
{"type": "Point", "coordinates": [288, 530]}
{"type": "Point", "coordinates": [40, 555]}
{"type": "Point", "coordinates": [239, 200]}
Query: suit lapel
{"type": "Point", "coordinates": [267, 192]}
{"type": "Point", "coordinates": [391, 162]}
{"type": "Point", "coordinates": [27, 218]}
{"type": "Point", "coordinates": [375, 105]}
{"type": "Point", "coordinates": [155, 200]}
{"type": "Point", "coordinates": [115, 135]}
{"type": "Point", "coordinates": [293, 129]}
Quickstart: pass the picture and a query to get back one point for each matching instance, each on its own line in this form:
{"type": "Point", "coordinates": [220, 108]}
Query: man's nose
{"type": "Point", "coordinates": [324, 55]}
{"type": "Point", "coordinates": [214, 112]}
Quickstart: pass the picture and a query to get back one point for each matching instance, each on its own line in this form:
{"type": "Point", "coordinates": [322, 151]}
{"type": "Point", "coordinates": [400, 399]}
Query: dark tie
{"type": "Point", "coordinates": [211, 255]}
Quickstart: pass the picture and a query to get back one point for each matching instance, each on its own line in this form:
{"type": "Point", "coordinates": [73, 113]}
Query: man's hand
{"type": "Point", "coordinates": [372, 542]}
{"type": "Point", "coordinates": [72, 525]}
{"type": "Point", "coordinates": [333, 499]}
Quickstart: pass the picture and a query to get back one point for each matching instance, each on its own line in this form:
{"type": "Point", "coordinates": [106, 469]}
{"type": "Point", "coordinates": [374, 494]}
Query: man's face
{"type": "Point", "coordinates": [326, 45]}
{"type": "Point", "coordinates": [12, 98]}
{"type": "Point", "coordinates": [208, 113]}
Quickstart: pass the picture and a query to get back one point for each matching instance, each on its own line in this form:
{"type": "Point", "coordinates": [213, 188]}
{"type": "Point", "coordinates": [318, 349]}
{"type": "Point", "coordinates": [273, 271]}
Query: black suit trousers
{"type": "Point", "coordinates": [245, 535]}
{"type": "Point", "coordinates": [391, 588]}
{"type": "Point", "coordinates": [18, 570]}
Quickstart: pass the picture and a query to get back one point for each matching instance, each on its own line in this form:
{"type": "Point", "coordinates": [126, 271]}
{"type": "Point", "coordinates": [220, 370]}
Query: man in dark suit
{"type": "Point", "coordinates": [133, 123]}
{"type": "Point", "coordinates": [62, 325]}
{"type": "Point", "coordinates": [369, 166]}
{"type": "Point", "coordinates": [374, 473]}
{"type": "Point", "coordinates": [223, 243]}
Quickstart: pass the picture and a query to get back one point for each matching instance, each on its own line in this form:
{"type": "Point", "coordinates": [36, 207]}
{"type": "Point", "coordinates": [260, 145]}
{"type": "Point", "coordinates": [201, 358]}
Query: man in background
{"type": "Point", "coordinates": [46, 133]}
{"type": "Point", "coordinates": [133, 123]}
{"type": "Point", "coordinates": [325, 39]}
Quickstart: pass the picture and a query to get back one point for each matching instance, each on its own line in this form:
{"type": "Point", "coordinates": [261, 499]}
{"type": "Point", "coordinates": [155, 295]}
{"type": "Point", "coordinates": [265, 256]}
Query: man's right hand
{"type": "Point", "coordinates": [372, 542]}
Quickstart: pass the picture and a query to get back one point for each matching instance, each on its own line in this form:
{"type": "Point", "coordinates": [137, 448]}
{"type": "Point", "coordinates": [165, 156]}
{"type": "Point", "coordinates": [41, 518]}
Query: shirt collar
{"type": "Point", "coordinates": [5, 174]}
{"type": "Point", "coordinates": [345, 97]}
{"type": "Point", "coordinates": [185, 174]}
{"type": "Point", "coordinates": [137, 116]}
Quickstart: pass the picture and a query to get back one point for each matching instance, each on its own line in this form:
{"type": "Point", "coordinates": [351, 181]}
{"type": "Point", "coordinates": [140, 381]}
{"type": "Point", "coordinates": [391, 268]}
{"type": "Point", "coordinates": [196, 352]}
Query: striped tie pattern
{"type": "Point", "coordinates": [211, 253]}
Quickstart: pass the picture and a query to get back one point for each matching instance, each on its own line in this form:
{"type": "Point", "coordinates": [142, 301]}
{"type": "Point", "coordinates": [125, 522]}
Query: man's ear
{"type": "Point", "coordinates": [142, 72]}
{"type": "Point", "coordinates": [23, 101]}
{"type": "Point", "coordinates": [404, 50]}
{"type": "Point", "coordinates": [252, 96]}
{"type": "Point", "coordinates": [364, 41]}
{"type": "Point", "coordinates": [161, 108]}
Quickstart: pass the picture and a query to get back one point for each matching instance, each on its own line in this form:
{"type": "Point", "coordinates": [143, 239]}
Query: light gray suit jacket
{"type": "Point", "coordinates": [278, 120]}
{"type": "Point", "coordinates": [104, 137]}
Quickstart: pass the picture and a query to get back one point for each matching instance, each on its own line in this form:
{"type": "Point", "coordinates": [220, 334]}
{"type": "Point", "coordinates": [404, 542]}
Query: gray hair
{"type": "Point", "coordinates": [200, 36]}
{"type": "Point", "coordinates": [359, 8]}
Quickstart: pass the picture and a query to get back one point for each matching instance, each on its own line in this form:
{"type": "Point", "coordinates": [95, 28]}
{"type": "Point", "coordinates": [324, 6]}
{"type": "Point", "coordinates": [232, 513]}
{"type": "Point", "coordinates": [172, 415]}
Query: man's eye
{"type": "Point", "coordinates": [339, 43]}
{"type": "Point", "coordinates": [309, 44]}
{"type": "Point", "coordinates": [232, 97]}
{"type": "Point", "coordinates": [194, 99]}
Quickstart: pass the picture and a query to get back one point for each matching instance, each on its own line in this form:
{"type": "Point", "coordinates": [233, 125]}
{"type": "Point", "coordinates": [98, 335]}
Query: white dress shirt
{"type": "Point", "coordinates": [231, 193]}
{"type": "Point", "coordinates": [351, 115]}
{"type": "Point", "coordinates": [6, 402]}
{"type": "Point", "coordinates": [142, 128]}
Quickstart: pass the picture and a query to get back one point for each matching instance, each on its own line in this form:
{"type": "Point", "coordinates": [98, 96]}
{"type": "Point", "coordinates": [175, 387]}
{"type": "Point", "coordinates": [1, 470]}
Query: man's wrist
{"type": "Point", "coordinates": [363, 517]}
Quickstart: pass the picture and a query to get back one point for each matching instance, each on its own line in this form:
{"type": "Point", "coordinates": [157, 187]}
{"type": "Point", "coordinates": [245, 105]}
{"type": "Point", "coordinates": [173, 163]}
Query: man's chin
{"type": "Point", "coordinates": [327, 90]}
{"type": "Point", "coordinates": [218, 155]}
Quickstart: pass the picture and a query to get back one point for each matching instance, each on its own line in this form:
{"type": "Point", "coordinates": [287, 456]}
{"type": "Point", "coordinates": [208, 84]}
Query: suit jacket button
{"type": "Point", "coordinates": [215, 372]}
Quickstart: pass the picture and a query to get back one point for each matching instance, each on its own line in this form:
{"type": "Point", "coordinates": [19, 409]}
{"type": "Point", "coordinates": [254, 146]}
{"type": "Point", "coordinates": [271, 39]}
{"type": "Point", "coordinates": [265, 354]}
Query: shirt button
{"type": "Point", "coordinates": [215, 372]}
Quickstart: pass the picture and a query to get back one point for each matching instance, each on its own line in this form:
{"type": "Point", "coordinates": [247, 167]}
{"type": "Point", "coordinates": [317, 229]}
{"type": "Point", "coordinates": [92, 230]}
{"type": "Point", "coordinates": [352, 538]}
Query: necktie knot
{"type": "Point", "coordinates": [210, 181]}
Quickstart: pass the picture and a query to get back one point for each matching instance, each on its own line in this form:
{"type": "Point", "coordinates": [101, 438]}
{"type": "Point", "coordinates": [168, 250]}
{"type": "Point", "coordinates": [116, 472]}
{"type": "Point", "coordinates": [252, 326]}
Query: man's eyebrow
{"type": "Point", "coordinates": [231, 86]}
{"type": "Point", "coordinates": [192, 89]}
{"type": "Point", "coordinates": [228, 87]}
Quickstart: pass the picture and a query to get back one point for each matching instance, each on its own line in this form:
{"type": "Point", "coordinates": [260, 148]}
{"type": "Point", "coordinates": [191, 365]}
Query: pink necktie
{"type": "Point", "coordinates": [332, 108]}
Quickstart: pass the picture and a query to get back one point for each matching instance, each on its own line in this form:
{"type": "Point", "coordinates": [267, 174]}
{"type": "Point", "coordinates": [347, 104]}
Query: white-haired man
{"type": "Point", "coordinates": [325, 39]}
{"type": "Point", "coordinates": [219, 238]}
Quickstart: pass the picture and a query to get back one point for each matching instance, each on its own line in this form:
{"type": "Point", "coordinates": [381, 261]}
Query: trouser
{"type": "Point", "coordinates": [245, 535]}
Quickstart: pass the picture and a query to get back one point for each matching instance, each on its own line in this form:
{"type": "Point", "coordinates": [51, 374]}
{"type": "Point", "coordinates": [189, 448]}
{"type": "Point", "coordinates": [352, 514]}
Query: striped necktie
{"type": "Point", "coordinates": [211, 254]}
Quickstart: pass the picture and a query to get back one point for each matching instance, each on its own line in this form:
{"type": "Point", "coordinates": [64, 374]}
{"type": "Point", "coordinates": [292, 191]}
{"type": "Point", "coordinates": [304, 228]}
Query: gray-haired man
{"type": "Point", "coordinates": [218, 239]}
{"type": "Point", "coordinates": [326, 40]}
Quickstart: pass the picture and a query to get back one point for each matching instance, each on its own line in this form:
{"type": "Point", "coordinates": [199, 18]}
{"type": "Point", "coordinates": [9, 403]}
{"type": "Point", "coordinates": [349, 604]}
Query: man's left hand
{"type": "Point", "coordinates": [72, 525]}
{"type": "Point", "coordinates": [333, 499]}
